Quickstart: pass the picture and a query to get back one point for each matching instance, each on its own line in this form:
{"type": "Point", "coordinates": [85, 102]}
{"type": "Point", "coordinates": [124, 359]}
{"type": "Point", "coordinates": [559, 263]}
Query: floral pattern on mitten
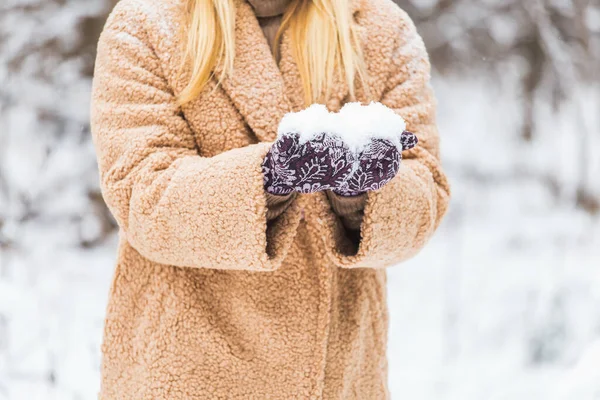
{"type": "Point", "coordinates": [408, 140]}
{"type": "Point", "coordinates": [322, 163]}
{"type": "Point", "coordinates": [378, 163]}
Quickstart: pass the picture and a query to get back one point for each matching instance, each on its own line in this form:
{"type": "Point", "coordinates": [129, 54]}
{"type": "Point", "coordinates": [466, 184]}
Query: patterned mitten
{"type": "Point", "coordinates": [321, 163]}
{"type": "Point", "coordinates": [350, 152]}
{"type": "Point", "coordinates": [378, 163]}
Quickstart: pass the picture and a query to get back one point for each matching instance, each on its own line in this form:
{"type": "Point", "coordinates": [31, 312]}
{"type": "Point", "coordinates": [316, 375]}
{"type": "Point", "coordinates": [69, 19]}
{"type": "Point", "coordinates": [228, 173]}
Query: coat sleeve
{"type": "Point", "coordinates": [401, 217]}
{"type": "Point", "coordinates": [172, 205]}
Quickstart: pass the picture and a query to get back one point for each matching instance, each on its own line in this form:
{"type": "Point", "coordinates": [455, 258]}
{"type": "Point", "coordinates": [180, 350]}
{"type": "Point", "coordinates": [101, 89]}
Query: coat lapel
{"type": "Point", "coordinates": [256, 85]}
{"type": "Point", "coordinates": [262, 91]}
{"type": "Point", "coordinates": [291, 74]}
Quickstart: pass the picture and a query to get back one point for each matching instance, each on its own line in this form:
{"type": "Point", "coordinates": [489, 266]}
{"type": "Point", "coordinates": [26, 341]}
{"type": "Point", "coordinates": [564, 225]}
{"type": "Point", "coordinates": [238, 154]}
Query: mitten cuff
{"type": "Point", "coordinates": [277, 204]}
{"type": "Point", "coordinates": [349, 208]}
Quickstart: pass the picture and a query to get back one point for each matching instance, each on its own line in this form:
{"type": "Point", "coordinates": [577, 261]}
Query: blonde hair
{"type": "Point", "coordinates": [324, 39]}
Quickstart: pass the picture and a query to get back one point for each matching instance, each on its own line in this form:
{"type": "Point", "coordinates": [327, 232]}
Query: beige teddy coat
{"type": "Point", "coordinates": [209, 300]}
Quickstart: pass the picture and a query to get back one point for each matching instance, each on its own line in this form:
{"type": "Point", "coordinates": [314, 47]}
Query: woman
{"type": "Point", "coordinates": [223, 290]}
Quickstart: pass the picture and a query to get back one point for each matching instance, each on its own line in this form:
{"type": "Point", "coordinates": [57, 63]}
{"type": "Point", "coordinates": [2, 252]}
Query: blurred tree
{"type": "Point", "coordinates": [558, 41]}
{"type": "Point", "coordinates": [47, 163]}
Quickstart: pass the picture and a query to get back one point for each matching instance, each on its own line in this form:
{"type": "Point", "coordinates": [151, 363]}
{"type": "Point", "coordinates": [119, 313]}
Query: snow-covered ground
{"type": "Point", "coordinates": [504, 303]}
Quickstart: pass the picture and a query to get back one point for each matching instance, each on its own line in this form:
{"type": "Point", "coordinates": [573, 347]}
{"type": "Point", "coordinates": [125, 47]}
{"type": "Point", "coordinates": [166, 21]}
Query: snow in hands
{"type": "Point", "coordinates": [356, 125]}
{"type": "Point", "coordinates": [351, 152]}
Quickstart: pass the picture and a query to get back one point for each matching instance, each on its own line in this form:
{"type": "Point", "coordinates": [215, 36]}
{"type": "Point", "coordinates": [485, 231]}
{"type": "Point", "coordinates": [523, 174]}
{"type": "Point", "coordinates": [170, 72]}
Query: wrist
{"type": "Point", "coordinates": [347, 205]}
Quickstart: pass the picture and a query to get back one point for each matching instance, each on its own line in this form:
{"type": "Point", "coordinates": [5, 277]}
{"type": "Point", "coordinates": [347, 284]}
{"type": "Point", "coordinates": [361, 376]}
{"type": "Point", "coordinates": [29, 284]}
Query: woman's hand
{"type": "Point", "coordinates": [378, 163]}
{"type": "Point", "coordinates": [322, 163]}
{"type": "Point", "coordinates": [326, 163]}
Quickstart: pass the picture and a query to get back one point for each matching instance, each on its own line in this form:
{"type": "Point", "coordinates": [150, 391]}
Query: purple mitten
{"type": "Point", "coordinates": [408, 140]}
{"type": "Point", "coordinates": [378, 163]}
{"type": "Point", "coordinates": [350, 152]}
{"type": "Point", "coordinates": [321, 163]}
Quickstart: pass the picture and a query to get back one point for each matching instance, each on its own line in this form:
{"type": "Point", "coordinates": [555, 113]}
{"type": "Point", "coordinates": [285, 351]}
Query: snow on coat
{"type": "Point", "coordinates": [209, 301]}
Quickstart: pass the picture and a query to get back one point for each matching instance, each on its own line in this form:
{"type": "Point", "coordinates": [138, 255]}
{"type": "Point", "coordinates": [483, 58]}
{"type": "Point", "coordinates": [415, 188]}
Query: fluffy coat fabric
{"type": "Point", "coordinates": [210, 300]}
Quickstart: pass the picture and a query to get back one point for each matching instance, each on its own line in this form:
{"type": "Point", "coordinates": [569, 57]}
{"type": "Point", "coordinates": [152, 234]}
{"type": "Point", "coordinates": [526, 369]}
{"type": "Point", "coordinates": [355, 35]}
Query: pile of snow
{"type": "Point", "coordinates": [356, 124]}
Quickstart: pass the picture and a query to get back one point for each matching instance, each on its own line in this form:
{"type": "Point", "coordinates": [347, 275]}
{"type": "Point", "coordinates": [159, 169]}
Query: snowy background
{"type": "Point", "coordinates": [503, 304]}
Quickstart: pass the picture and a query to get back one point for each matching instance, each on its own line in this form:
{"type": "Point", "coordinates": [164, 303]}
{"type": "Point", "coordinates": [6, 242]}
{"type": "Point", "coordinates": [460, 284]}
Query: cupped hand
{"type": "Point", "coordinates": [378, 163]}
{"type": "Point", "coordinates": [322, 163]}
